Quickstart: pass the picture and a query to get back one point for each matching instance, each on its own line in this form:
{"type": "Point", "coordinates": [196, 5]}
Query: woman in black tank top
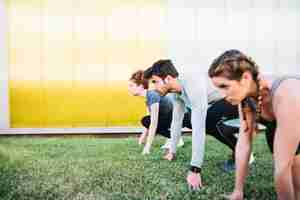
{"type": "Point", "coordinates": [273, 102]}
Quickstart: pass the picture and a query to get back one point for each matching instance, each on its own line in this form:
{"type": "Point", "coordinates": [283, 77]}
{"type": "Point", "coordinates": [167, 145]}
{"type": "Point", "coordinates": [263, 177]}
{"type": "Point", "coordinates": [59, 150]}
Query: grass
{"type": "Point", "coordinates": [88, 168]}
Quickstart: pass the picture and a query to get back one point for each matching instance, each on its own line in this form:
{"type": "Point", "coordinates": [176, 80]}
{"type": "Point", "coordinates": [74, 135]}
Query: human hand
{"type": "Point", "coordinates": [194, 180]}
{"type": "Point", "coordinates": [169, 156]}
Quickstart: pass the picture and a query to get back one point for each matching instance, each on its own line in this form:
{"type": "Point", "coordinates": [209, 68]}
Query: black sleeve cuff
{"type": "Point", "coordinates": [195, 169]}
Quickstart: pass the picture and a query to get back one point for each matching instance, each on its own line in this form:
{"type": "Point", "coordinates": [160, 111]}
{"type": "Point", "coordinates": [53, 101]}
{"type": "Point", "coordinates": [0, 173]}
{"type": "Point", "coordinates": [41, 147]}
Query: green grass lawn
{"type": "Point", "coordinates": [88, 168]}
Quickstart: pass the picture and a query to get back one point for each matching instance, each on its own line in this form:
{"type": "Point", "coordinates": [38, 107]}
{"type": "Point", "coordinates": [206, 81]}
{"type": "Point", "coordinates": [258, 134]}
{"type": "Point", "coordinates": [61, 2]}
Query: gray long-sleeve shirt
{"type": "Point", "coordinates": [196, 94]}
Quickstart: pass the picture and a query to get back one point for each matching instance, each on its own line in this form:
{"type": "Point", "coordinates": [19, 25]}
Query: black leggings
{"type": "Point", "coordinates": [164, 124]}
{"type": "Point", "coordinates": [216, 114]}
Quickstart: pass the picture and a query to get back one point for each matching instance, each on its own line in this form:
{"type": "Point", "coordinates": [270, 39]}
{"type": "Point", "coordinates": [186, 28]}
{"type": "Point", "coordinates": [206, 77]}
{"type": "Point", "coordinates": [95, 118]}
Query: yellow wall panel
{"type": "Point", "coordinates": [26, 106]}
{"type": "Point", "coordinates": [70, 60]}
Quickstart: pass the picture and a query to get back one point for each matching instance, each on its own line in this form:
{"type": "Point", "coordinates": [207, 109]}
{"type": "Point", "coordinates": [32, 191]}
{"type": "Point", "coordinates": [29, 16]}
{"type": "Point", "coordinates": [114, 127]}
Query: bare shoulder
{"type": "Point", "coordinates": [286, 98]}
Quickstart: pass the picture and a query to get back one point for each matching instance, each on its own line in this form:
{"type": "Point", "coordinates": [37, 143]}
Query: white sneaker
{"type": "Point", "coordinates": [180, 143]}
{"type": "Point", "coordinates": [252, 159]}
{"type": "Point", "coordinates": [167, 145]}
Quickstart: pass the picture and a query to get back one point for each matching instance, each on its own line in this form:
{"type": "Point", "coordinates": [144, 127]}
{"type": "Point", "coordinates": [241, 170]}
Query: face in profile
{"type": "Point", "coordinates": [135, 89]}
{"type": "Point", "coordinates": [235, 91]}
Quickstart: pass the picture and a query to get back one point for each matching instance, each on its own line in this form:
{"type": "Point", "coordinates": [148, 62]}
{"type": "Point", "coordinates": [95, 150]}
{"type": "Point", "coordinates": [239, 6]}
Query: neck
{"type": "Point", "coordinates": [254, 88]}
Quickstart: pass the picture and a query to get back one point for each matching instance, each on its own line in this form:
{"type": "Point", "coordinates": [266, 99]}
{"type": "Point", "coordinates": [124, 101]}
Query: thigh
{"type": "Point", "coordinates": [285, 148]}
{"type": "Point", "coordinates": [145, 121]}
{"type": "Point", "coordinates": [219, 111]}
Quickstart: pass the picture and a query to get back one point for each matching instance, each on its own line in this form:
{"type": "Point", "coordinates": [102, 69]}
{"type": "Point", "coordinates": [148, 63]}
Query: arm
{"type": "Point", "coordinates": [198, 135]}
{"type": "Point", "coordinates": [153, 126]}
{"type": "Point", "coordinates": [243, 151]}
{"type": "Point", "coordinates": [176, 124]}
{"type": "Point", "coordinates": [197, 96]}
{"type": "Point", "coordinates": [287, 137]}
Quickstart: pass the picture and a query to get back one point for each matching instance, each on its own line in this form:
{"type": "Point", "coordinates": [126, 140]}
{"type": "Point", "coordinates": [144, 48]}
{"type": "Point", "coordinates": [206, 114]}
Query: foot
{"type": "Point", "coordinates": [167, 145]}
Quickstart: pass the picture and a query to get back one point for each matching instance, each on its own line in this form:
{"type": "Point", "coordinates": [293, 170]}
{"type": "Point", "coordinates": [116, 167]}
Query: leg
{"type": "Point", "coordinates": [216, 113]}
{"type": "Point", "coordinates": [145, 121]}
{"type": "Point", "coordinates": [227, 132]}
{"type": "Point", "coordinates": [296, 176]}
{"type": "Point", "coordinates": [162, 126]}
{"type": "Point", "coordinates": [284, 154]}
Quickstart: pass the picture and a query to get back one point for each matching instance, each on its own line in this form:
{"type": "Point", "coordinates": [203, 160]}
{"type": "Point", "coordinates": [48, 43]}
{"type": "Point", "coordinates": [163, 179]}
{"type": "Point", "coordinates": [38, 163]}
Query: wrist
{"type": "Point", "coordinates": [238, 190]}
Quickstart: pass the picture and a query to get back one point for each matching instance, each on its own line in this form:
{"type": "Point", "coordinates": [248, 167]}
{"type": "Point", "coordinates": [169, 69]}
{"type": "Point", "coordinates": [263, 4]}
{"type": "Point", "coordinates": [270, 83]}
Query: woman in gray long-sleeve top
{"type": "Point", "coordinates": [190, 93]}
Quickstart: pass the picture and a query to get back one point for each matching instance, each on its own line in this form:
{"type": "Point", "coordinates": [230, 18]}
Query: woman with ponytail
{"type": "Point", "coordinates": [160, 112]}
{"type": "Point", "coordinates": [272, 101]}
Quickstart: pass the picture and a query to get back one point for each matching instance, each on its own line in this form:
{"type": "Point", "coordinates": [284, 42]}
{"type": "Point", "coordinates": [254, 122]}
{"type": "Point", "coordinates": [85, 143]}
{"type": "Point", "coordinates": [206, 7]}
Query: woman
{"type": "Point", "coordinates": [274, 102]}
{"type": "Point", "coordinates": [160, 109]}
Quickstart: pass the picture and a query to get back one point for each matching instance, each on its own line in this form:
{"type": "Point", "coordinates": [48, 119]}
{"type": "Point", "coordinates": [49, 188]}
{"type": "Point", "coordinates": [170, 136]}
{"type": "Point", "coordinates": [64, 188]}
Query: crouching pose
{"type": "Point", "coordinates": [193, 93]}
{"type": "Point", "coordinates": [272, 101]}
{"type": "Point", "coordinates": [160, 112]}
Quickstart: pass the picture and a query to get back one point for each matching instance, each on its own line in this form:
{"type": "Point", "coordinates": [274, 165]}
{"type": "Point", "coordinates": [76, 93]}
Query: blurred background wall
{"type": "Point", "coordinates": [69, 60]}
{"type": "Point", "coordinates": [268, 31]}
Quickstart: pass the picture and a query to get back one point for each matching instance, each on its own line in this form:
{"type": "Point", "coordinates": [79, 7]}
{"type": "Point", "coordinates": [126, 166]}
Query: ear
{"type": "Point", "coordinates": [169, 78]}
{"type": "Point", "coordinates": [246, 78]}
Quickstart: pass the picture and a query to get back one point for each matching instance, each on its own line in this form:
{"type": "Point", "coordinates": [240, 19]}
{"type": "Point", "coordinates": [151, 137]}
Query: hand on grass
{"type": "Point", "coordinates": [194, 180]}
{"type": "Point", "coordinates": [169, 156]}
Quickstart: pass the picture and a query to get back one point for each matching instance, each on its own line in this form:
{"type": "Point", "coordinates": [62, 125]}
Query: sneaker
{"type": "Point", "coordinates": [252, 159]}
{"type": "Point", "coordinates": [229, 165]}
{"type": "Point", "coordinates": [167, 145]}
{"type": "Point", "coordinates": [180, 143]}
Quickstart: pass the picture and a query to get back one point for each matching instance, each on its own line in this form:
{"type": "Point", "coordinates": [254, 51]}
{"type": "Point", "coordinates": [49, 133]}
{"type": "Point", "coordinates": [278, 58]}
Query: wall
{"type": "Point", "coordinates": [70, 60]}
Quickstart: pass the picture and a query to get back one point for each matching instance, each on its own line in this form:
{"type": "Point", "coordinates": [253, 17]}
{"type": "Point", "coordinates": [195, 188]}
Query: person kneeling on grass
{"type": "Point", "coordinates": [194, 93]}
{"type": "Point", "coordinates": [160, 110]}
{"type": "Point", "coordinates": [271, 101]}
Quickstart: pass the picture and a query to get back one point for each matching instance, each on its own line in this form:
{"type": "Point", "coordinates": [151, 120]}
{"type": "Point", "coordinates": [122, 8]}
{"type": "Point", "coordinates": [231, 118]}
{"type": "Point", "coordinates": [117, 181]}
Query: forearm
{"type": "Point", "coordinates": [153, 126]}
{"type": "Point", "coordinates": [151, 135]}
{"type": "Point", "coordinates": [242, 156]}
{"type": "Point", "coordinates": [176, 124]}
{"type": "Point", "coordinates": [198, 136]}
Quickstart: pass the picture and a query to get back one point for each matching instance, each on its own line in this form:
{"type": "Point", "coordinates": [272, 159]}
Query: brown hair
{"type": "Point", "coordinates": [232, 64]}
{"type": "Point", "coordinates": [161, 68]}
{"type": "Point", "coordinates": [138, 78]}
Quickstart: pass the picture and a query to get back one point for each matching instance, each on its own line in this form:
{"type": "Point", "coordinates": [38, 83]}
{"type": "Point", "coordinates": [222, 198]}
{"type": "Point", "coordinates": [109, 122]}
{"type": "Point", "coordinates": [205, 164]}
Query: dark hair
{"type": "Point", "coordinates": [232, 64]}
{"type": "Point", "coordinates": [161, 68]}
{"type": "Point", "coordinates": [138, 78]}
